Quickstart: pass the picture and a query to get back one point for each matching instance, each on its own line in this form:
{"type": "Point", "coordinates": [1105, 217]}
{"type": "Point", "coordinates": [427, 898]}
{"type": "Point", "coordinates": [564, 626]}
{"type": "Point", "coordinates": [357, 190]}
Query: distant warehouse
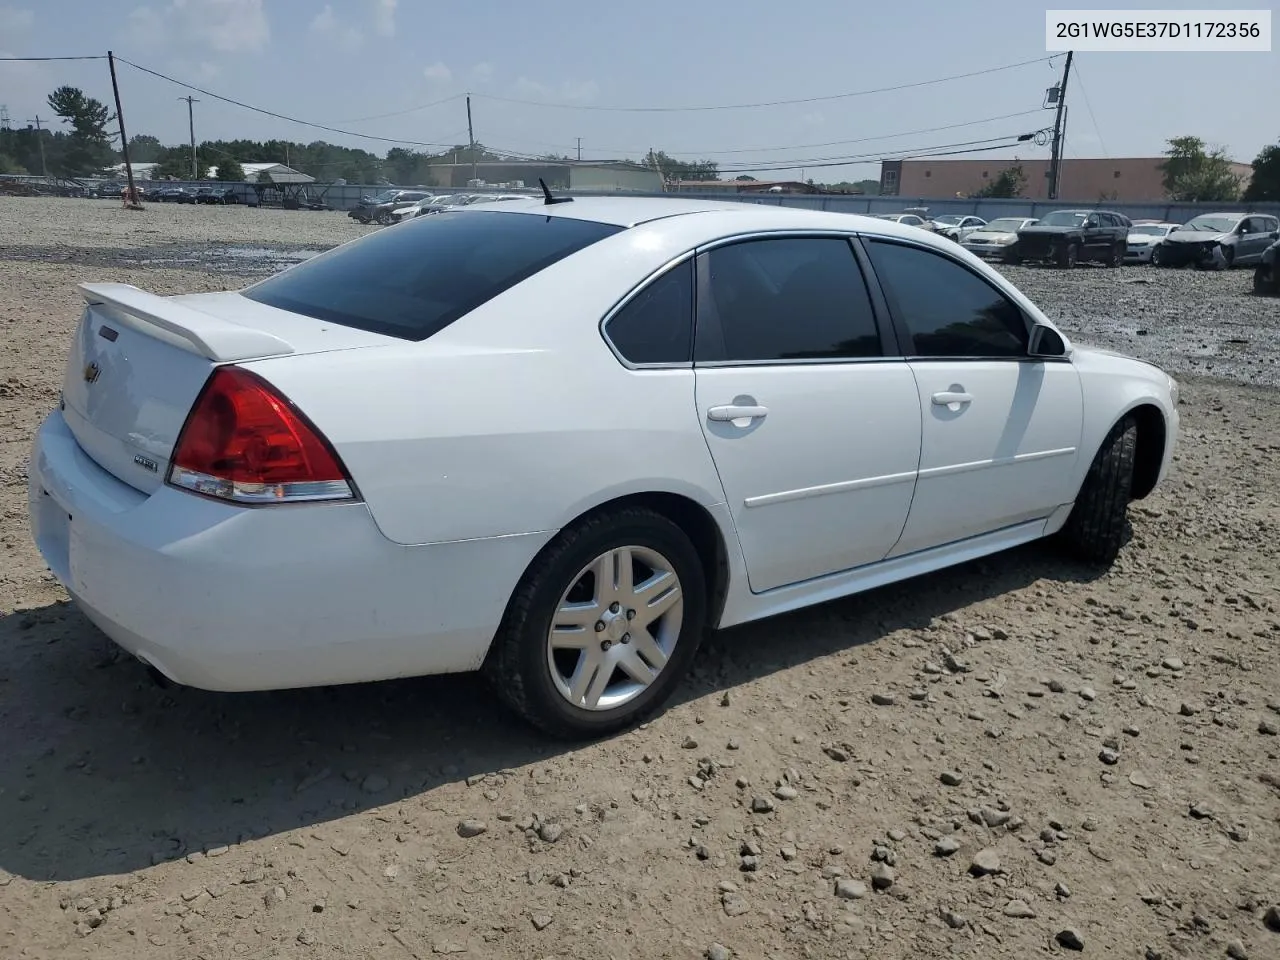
{"type": "Point", "coordinates": [1123, 180]}
{"type": "Point", "coordinates": [559, 175]}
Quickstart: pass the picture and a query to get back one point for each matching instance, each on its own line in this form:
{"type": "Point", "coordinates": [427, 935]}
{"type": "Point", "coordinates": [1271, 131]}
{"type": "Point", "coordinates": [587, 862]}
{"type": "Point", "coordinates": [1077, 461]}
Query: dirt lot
{"type": "Point", "coordinates": [965, 765]}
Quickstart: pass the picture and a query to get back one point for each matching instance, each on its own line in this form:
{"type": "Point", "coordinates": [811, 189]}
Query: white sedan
{"type": "Point", "coordinates": [557, 441]}
{"type": "Point", "coordinates": [1145, 237]}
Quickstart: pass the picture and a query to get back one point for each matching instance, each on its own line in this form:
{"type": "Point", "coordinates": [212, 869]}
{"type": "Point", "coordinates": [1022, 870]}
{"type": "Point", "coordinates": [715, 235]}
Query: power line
{"type": "Point", "coordinates": [401, 113]}
{"type": "Point", "coordinates": [904, 153]}
{"type": "Point", "coordinates": [47, 59]}
{"type": "Point", "coordinates": [809, 146]}
{"type": "Point", "coordinates": [771, 103]}
{"type": "Point", "coordinates": [1088, 106]}
{"type": "Point", "coordinates": [279, 116]}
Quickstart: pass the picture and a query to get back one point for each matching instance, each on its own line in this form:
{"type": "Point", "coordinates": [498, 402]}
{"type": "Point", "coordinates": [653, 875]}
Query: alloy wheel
{"type": "Point", "coordinates": [615, 628]}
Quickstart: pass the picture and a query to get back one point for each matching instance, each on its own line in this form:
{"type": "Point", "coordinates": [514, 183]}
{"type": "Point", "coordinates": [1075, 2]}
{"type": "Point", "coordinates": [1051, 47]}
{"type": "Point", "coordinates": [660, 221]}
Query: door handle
{"type": "Point", "coordinates": [735, 412]}
{"type": "Point", "coordinates": [946, 399]}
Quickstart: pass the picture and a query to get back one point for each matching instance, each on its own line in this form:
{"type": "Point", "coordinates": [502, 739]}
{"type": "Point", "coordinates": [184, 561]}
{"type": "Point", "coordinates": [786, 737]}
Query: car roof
{"type": "Point", "coordinates": [720, 216]}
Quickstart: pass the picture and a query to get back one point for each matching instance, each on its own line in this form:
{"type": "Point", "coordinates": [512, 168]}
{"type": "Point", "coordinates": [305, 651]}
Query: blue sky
{"type": "Point", "coordinates": [341, 62]}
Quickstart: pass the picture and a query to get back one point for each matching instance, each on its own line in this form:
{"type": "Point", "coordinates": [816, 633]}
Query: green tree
{"type": "Point", "coordinates": [10, 165]}
{"type": "Point", "coordinates": [89, 147]}
{"type": "Point", "coordinates": [229, 171]}
{"type": "Point", "coordinates": [1195, 172]}
{"type": "Point", "coordinates": [745, 177]}
{"type": "Point", "coordinates": [673, 169]}
{"type": "Point", "coordinates": [144, 148]}
{"type": "Point", "coordinates": [1265, 184]}
{"type": "Point", "coordinates": [1006, 185]}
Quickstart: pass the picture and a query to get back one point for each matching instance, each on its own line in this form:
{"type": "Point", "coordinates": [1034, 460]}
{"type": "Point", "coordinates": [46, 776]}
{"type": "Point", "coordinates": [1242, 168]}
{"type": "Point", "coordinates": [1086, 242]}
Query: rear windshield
{"type": "Point", "coordinates": [413, 280]}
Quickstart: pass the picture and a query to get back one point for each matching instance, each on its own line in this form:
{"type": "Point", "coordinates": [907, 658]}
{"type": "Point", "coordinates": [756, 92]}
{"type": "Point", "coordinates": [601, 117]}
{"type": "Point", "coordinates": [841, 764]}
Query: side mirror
{"type": "Point", "coordinates": [1046, 342]}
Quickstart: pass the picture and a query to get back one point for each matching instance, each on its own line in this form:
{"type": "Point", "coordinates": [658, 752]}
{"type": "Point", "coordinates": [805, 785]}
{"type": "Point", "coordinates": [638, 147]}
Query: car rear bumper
{"type": "Point", "coordinates": [224, 597]}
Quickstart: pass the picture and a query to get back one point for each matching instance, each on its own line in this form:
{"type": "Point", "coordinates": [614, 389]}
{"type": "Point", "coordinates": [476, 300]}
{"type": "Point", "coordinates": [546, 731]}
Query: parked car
{"type": "Point", "coordinates": [1067, 237]}
{"type": "Point", "coordinates": [998, 240]}
{"type": "Point", "coordinates": [1266, 275]}
{"type": "Point", "coordinates": [204, 195]}
{"type": "Point", "coordinates": [225, 195]}
{"type": "Point", "coordinates": [202, 473]}
{"type": "Point", "coordinates": [907, 220]}
{"type": "Point", "coordinates": [957, 226]}
{"type": "Point", "coordinates": [1220, 240]}
{"type": "Point", "coordinates": [176, 195]}
{"type": "Point", "coordinates": [1143, 245]}
{"type": "Point", "coordinates": [380, 208]}
{"type": "Point", "coordinates": [414, 210]}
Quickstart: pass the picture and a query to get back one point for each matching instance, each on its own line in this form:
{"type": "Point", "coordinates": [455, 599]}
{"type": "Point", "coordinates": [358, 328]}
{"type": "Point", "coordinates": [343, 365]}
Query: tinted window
{"type": "Point", "coordinates": [785, 299]}
{"type": "Point", "coordinates": [948, 310]}
{"type": "Point", "coordinates": [656, 325]}
{"type": "Point", "coordinates": [416, 279]}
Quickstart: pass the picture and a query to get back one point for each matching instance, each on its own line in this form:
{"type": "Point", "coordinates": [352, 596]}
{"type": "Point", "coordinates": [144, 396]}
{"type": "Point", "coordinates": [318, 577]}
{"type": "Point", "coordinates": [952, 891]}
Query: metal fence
{"type": "Point", "coordinates": [340, 196]}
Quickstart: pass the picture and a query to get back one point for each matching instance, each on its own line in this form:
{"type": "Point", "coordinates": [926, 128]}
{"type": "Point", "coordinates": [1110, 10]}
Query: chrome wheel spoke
{"type": "Point", "coordinates": [589, 665]}
{"type": "Point", "coordinates": [637, 669]}
{"type": "Point", "coordinates": [656, 595]}
{"type": "Point", "coordinates": [643, 645]}
{"type": "Point", "coordinates": [621, 574]}
{"type": "Point", "coordinates": [599, 683]}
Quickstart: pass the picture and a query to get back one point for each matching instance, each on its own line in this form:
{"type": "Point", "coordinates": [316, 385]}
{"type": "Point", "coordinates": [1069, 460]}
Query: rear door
{"type": "Point", "coordinates": [811, 416]}
{"type": "Point", "coordinates": [1001, 430]}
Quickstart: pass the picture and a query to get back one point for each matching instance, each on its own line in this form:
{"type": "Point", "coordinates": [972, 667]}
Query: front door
{"type": "Point", "coordinates": [1001, 430]}
{"type": "Point", "coordinates": [813, 425]}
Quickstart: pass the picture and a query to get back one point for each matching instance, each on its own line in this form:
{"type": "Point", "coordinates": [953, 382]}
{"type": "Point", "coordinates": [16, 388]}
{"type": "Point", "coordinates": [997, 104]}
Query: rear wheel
{"type": "Point", "coordinates": [602, 626]}
{"type": "Point", "coordinates": [1068, 255]}
{"type": "Point", "coordinates": [1266, 279]}
{"type": "Point", "coordinates": [1096, 529]}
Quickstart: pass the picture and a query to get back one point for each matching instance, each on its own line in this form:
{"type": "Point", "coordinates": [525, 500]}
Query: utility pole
{"type": "Point", "coordinates": [44, 167]}
{"type": "Point", "coordinates": [1055, 164]}
{"type": "Point", "coordinates": [191, 124]}
{"type": "Point", "coordinates": [124, 137]}
{"type": "Point", "coordinates": [471, 135]}
{"type": "Point", "coordinates": [579, 148]}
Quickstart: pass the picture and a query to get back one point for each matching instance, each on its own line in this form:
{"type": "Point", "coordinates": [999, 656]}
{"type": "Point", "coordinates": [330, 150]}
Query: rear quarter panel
{"type": "Point", "coordinates": [516, 418]}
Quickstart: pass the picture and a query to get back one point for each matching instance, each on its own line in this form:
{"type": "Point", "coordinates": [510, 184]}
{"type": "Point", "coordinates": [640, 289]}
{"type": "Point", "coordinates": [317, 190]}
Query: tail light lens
{"type": "Point", "coordinates": [245, 442]}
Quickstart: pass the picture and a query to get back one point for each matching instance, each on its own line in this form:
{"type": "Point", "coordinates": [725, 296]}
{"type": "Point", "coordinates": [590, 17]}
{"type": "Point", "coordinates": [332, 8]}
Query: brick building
{"type": "Point", "coordinates": [1126, 180]}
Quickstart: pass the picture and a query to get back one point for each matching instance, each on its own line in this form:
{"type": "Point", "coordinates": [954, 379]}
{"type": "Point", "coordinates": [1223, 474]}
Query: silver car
{"type": "Point", "coordinates": [997, 240]}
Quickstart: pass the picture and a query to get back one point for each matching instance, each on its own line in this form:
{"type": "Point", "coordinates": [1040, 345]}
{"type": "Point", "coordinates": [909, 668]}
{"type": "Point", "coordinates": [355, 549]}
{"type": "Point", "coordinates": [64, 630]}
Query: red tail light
{"type": "Point", "coordinates": [244, 441]}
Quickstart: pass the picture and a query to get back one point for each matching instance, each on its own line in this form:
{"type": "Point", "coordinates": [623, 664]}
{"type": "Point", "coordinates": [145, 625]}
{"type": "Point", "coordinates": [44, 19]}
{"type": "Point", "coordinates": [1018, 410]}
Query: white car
{"type": "Point", "coordinates": [417, 210]}
{"type": "Point", "coordinates": [998, 239]}
{"type": "Point", "coordinates": [907, 220]}
{"type": "Point", "coordinates": [1145, 237]}
{"type": "Point", "coordinates": [496, 439]}
{"type": "Point", "coordinates": [956, 226]}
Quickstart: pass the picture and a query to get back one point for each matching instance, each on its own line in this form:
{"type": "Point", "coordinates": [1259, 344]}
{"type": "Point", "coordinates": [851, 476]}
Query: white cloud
{"type": "Point", "coordinates": [384, 17]}
{"type": "Point", "coordinates": [438, 73]}
{"type": "Point", "coordinates": [326, 24]}
{"type": "Point", "coordinates": [569, 91]}
{"type": "Point", "coordinates": [15, 19]}
{"type": "Point", "coordinates": [482, 72]}
{"type": "Point", "coordinates": [226, 26]}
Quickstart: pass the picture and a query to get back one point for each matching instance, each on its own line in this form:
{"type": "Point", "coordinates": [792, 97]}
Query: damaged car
{"type": "Point", "coordinates": [1066, 237]}
{"type": "Point", "coordinates": [1220, 241]}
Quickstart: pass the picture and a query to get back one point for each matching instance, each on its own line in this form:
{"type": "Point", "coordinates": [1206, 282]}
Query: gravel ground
{"type": "Point", "coordinates": [1013, 758]}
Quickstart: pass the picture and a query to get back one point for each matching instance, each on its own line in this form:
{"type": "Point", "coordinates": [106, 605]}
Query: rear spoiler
{"type": "Point", "coordinates": [220, 340]}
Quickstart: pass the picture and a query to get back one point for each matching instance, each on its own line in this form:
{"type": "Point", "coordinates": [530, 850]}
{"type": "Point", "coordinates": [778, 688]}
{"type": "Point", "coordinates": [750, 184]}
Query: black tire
{"type": "Point", "coordinates": [1229, 257]}
{"type": "Point", "coordinates": [1117, 255]}
{"type": "Point", "coordinates": [1098, 525]}
{"type": "Point", "coordinates": [1068, 255]}
{"type": "Point", "coordinates": [1157, 258]}
{"type": "Point", "coordinates": [516, 666]}
{"type": "Point", "coordinates": [1266, 280]}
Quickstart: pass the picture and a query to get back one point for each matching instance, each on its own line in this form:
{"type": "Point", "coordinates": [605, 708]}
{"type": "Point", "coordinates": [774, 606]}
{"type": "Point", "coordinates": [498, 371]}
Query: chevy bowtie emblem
{"type": "Point", "coordinates": [92, 372]}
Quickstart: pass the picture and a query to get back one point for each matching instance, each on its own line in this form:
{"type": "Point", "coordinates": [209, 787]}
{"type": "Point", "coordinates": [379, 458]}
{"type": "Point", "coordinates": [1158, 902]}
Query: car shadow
{"type": "Point", "coordinates": [102, 772]}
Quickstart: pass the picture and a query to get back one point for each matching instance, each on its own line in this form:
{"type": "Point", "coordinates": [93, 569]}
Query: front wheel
{"type": "Point", "coordinates": [1157, 258]}
{"type": "Point", "coordinates": [1068, 255]}
{"type": "Point", "coordinates": [1096, 529]}
{"type": "Point", "coordinates": [1117, 255]}
{"type": "Point", "coordinates": [602, 626]}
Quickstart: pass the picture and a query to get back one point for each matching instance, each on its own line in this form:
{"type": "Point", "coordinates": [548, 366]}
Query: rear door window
{"type": "Point", "coordinates": [414, 280]}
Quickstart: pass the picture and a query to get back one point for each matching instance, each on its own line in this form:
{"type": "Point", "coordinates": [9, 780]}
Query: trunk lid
{"type": "Point", "coordinates": [138, 361]}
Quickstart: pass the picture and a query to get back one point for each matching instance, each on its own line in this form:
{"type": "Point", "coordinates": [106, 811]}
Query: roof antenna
{"type": "Point", "coordinates": [548, 199]}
